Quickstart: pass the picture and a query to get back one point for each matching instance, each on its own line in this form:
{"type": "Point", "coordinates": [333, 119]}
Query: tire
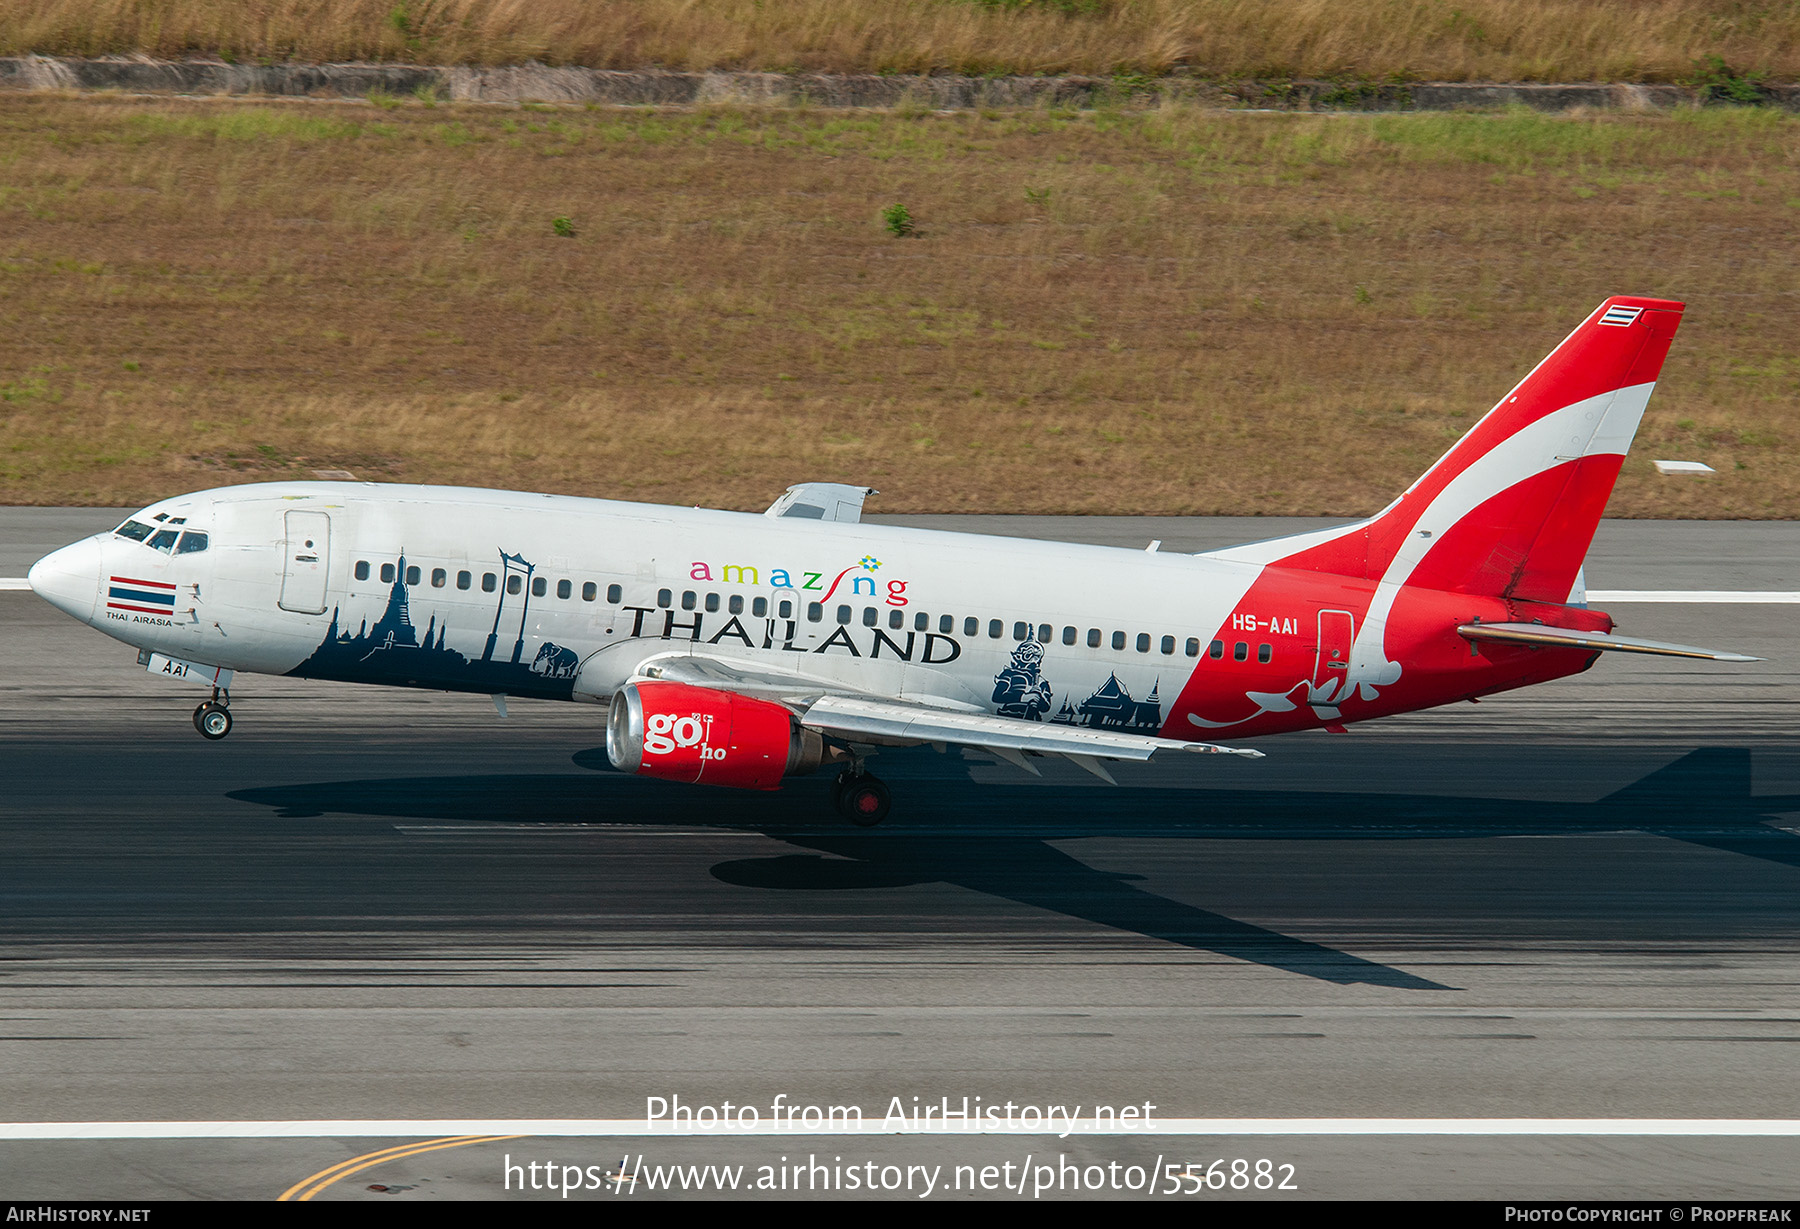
{"type": "Point", "coordinates": [212, 720]}
{"type": "Point", "coordinates": [864, 800]}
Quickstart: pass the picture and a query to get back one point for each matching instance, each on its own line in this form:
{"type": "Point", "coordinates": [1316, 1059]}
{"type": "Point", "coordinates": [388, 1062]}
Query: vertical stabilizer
{"type": "Point", "coordinates": [1510, 510]}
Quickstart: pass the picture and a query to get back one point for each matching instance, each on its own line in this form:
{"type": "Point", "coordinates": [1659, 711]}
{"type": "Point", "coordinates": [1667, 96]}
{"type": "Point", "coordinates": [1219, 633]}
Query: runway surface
{"type": "Point", "coordinates": [1572, 902]}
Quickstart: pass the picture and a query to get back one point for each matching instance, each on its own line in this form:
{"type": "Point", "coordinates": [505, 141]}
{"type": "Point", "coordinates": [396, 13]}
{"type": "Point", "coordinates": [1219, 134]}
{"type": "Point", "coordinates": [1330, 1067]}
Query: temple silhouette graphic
{"type": "Point", "coordinates": [1112, 708]}
{"type": "Point", "coordinates": [392, 651]}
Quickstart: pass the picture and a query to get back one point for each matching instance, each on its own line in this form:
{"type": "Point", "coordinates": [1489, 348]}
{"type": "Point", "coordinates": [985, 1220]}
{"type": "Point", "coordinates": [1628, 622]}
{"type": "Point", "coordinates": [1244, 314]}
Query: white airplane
{"type": "Point", "coordinates": [736, 649]}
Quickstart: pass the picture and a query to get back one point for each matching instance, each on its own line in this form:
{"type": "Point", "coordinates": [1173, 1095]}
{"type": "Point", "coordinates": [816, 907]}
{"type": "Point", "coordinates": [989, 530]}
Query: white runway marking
{"type": "Point", "coordinates": [1745, 597]}
{"type": "Point", "coordinates": [873, 1125]}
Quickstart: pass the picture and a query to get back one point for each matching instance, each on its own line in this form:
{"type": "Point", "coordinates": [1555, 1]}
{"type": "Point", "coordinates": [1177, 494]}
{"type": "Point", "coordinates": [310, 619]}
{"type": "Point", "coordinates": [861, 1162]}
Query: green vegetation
{"type": "Point", "coordinates": [1726, 45]}
{"type": "Point", "coordinates": [1163, 310]}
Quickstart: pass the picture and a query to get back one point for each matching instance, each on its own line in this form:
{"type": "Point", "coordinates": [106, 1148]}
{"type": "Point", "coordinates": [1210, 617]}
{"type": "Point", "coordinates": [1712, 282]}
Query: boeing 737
{"type": "Point", "coordinates": [738, 649]}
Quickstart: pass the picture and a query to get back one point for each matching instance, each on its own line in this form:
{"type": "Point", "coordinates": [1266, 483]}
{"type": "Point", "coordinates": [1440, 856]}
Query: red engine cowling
{"type": "Point", "coordinates": [682, 733]}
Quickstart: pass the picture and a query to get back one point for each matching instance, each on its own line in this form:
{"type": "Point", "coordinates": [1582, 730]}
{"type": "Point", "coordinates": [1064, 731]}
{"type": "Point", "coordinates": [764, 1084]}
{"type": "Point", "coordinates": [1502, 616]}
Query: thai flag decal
{"type": "Point", "coordinates": [1621, 316]}
{"type": "Point", "coordinates": [142, 596]}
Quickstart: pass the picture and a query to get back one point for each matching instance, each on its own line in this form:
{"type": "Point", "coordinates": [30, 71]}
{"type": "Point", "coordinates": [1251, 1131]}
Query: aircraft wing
{"type": "Point", "coordinates": [830, 708]}
{"type": "Point", "coordinates": [822, 501]}
{"type": "Point", "coordinates": [858, 720]}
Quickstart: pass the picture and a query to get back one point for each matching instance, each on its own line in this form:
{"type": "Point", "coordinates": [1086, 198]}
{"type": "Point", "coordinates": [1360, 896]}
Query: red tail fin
{"type": "Point", "coordinates": [1511, 509]}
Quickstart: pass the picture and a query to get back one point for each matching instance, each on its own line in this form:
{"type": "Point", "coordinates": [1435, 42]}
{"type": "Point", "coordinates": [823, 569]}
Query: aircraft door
{"type": "Point", "coordinates": [306, 556]}
{"type": "Point", "coordinates": [1337, 629]}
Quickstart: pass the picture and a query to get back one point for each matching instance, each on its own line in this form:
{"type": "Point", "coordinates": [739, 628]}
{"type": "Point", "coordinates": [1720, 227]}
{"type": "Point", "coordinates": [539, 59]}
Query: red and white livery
{"type": "Point", "coordinates": [738, 649]}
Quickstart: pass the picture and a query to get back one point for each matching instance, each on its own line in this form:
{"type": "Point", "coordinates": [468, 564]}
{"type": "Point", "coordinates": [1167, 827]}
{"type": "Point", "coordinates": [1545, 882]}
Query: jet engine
{"type": "Point", "coordinates": [680, 732]}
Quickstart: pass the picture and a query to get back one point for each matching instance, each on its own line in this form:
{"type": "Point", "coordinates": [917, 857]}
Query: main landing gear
{"type": "Point", "coordinates": [213, 718]}
{"type": "Point", "coordinates": [861, 798]}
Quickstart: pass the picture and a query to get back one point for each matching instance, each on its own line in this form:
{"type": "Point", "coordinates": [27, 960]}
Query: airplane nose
{"type": "Point", "coordinates": [69, 579]}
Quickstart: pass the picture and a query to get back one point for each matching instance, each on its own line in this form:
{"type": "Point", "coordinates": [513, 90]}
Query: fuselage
{"type": "Point", "coordinates": [564, 598]}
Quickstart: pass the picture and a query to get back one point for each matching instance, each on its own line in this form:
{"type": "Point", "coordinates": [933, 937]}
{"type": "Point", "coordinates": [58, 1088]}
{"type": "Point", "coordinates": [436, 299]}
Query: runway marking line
{"type": "Point", "coordinates": [306, 1188]}
{"type": "Point", "coordinates": [1726, 597]}
{"type": "Point", "coordinates": [454, 1131]}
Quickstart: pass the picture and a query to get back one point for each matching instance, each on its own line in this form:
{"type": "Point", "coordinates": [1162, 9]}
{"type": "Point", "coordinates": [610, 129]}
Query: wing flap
{"type": "Point", "coordinates": [1537, 635]}
{"type": "Point", "coordinates": [858, 719]}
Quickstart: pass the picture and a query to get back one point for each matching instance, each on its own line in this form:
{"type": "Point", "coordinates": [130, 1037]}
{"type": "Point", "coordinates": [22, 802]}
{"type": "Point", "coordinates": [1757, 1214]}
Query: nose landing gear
{"type": "Point", "coordinates": [213, 717]}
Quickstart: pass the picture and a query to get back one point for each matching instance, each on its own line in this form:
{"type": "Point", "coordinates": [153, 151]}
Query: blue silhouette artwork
{"type": "Point", "coordinates": [1020, 688]}
{"type": "Point", "coordinates": [393, 652]}
{"type": "Point", "coordinates": [1112, 708]}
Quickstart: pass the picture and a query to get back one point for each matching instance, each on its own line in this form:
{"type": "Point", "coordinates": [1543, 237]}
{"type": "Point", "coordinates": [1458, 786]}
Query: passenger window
{"type": "Point", "coordinates": [843, 615]}
{"type": "Point", "coordinates": [946, 624]}
{"type": "Point", "coordinates": [1143, 642]}
{"type": "Point", "coordinates": [786, 610]}
{"type": "Point", "coordinates": [387, 573]}
{"type": "Point", "coordinates": [995, 629]}
{"type": "Point", "coordinates": [1216, 650]}
{"type": "Point", "coordinates": [1193, 647]}
{"type": "Point", "coordinates": [1168, 645]}
{"type": "Point", "coordinates": [439, 578]}
{"type": "Point", "coordinates": [1068, 635]}
{"type": "Point", "coordinates": [870, 616]}
{"type": "Point", "coordinates": [538, 586]}
{"type": "Point", "coordinates": [565, 588]}
{"type": "Point", "coordinates": [362, 569]}
{"type": "Point", "coordinates": [488, 581]}
{"type": "Point", "coordinates": [412, 575]}
{"type": "Point", "coordinates": [921, 621]}
{"type": "Point", "coordinates": [815, 612]}
{"type": "Point", "coordinates": [1043, 635]}
{"type": "Point", "coordinates": [1240, 651]}
{"type": "Point", "coordinates": [736, 604]}
{"type": "Point", "coordinates": [1264, 652]}
{"type": "Point", "coordinates": [515, 584]}
{"type": "Point", "coordinates": [464, 580]}
{"type": "Point", "coordinates": [759, 607]}
{"type": "Point", "coordinates": [712, 603]}
{"type": "Point", "coordinates": [1093, 637]}
{"type": "Point", "coordinates": [897, 619]}
{"type": "Point", "coordinates": [137, 531]}
{"type": "Point", "coordinates": [1118, 640]}
{"type": "Point", "coordinates": [1021, 630]}
{"type": "Point", "coordinates": [164, 540]}
{"type": "Point", "coordinates": [972, 626]}
{"type": "Point", "coordinates": [589, 590]}
{"type": "Point", "coordinates": [615, 594]}
{"type": "Point", "coordinates": [689, 599]}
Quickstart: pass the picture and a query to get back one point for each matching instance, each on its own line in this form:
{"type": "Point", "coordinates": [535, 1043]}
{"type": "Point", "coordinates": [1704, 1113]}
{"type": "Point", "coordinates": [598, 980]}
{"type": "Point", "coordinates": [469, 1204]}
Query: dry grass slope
{"type": "Point", "coordinates": [1166, 311]}
{"type": "Point", "coordinates": [1487, 40]}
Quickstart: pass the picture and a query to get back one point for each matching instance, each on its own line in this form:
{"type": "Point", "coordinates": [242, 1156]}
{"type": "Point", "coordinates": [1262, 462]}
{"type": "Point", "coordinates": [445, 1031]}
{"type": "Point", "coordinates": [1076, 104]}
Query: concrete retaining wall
{"type": "Point", "coordinates": [649, 87]}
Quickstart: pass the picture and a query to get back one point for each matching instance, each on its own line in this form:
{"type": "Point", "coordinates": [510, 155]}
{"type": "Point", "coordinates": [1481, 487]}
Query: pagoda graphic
{"type": "Point", "coordinates": [1112, 708]}
{"type": "Point", "coordinates": [392, 651]}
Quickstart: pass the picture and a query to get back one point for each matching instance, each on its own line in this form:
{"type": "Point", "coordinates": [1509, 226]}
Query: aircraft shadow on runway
{"type": "Point", "coordinates": [997, 839]}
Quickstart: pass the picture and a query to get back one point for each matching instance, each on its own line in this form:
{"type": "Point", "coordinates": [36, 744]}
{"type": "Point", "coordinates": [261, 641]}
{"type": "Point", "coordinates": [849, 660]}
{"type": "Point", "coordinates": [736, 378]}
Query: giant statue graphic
{"type": "Point", "coordinates": [392, 652]}
{"type": "Point", "coordinates": [1020, 688]}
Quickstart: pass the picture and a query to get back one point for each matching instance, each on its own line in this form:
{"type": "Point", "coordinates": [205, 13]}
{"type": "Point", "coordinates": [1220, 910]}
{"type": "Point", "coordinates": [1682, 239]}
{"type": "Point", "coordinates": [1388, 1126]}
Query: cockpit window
{"type": "Point", "coordinates": [164, 540]}
{"type": "Point", "coordinates": [137, 531]}
{"type": "Point", "coordinates": [191, 541]}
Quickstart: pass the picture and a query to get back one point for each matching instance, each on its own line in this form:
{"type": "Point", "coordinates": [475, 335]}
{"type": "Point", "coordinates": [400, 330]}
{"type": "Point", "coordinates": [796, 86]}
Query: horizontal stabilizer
{"type": "Point", "coordinates": [853, 719]}
{"type": "Point", "coordinates": [1539, 636]}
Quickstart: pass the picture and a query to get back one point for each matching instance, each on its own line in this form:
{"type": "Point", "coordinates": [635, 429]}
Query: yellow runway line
{"type": "Point", "coordinates": [356, 1164]}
